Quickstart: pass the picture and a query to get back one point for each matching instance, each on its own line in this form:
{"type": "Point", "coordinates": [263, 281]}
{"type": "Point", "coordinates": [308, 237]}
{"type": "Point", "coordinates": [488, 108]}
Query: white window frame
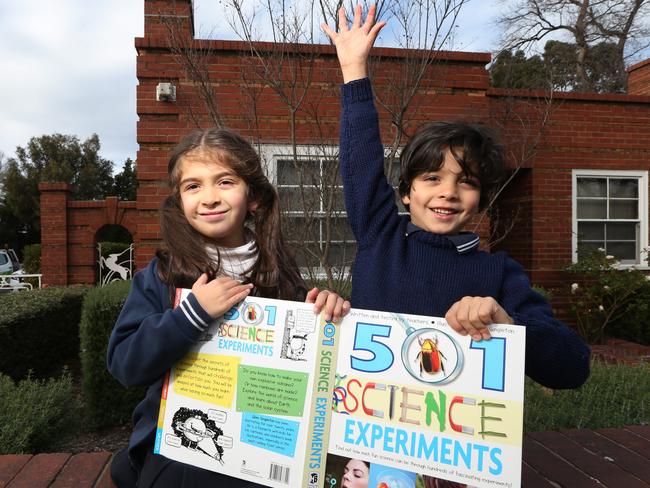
{"type": "Point", "coordinates": [272, 153]}
{"type": "Point", "coordinates": [642, 177]}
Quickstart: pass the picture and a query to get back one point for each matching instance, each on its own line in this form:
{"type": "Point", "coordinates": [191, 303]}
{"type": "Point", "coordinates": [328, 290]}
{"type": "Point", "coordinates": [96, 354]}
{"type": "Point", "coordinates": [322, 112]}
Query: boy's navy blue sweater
{"type": "Point", "coordinates": [423, 273]}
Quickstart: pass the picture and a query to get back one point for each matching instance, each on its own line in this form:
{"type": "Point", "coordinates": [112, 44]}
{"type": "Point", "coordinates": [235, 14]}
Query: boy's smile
{"type": "Point", "coordinates": [443, 201]}
{"type": "Point", "coordinates": [214, 198]}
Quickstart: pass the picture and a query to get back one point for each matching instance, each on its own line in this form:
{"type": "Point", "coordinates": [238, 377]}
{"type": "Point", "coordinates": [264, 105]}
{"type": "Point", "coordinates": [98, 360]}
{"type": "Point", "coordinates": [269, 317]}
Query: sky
{"type": "Point", "coordinates": [68, 66]}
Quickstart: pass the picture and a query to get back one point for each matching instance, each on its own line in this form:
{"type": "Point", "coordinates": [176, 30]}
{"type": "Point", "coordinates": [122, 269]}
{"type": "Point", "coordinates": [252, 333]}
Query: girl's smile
{"type": "Point", "coordinates": [214, 198]}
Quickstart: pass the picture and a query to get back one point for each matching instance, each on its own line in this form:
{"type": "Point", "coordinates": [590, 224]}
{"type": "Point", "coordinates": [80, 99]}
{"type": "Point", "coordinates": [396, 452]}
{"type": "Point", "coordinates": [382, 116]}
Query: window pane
{"type": "Point", "coordinates": [622, 231]}
{"type": "Point", "coordinates": [339, 229]}
{"type": "Point", "coordinates": [398, 200]}
{"type": "Point", "coordinates": [591, 231]}
{"type": "Point", "coordinates": [293, 199]}
{"type": "Point", "coordinates": [342, 254]}
{"type": "Point", "coordinates": [307, 256]}
{"type": "Point", "coordinates": [288, 172]}
{"type": "Point", "coordinates": [331, 173]}
{"type": "Point", "coordinates": [592, 187]}
{"type": "Point", "coordinates": [622, 250]}
{"type": "Point", "coordinates": [623, 188]}
{"type": "Point", "coordinates": [299, 230]}
{"type": "Point", "coordinates": [592, 209]}
{"type": "Point", "coordinates": [393, 177]}
{"type": "Point", "coordinates": [338, 203]}
{"type": "Point", "coordinates": [623, 209]}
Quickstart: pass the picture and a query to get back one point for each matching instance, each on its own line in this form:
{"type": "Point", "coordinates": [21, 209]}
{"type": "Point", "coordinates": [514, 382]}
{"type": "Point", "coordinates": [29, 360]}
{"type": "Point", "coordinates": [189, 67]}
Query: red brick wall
{"type": "Point", "coordinates": [567, 130]}
{"type": "Point", "coordinates": [638, 78]}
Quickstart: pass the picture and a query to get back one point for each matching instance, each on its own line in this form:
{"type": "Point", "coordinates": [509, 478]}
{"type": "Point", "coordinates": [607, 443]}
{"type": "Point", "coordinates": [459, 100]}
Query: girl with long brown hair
{"type": "Point", "coordinates": [222, 238]}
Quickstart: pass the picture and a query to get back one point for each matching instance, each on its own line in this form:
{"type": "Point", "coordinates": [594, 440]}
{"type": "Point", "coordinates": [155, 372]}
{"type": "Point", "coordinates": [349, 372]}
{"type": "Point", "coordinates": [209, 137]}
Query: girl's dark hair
{"type": "Point", "coordinates": [474, 147]}
{"type": "Point", "coordinates": [184, 256]}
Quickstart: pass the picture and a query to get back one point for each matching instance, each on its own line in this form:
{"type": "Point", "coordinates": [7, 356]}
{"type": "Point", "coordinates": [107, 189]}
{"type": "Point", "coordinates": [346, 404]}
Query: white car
{"type": "Point", "coordinates": [8, 261]}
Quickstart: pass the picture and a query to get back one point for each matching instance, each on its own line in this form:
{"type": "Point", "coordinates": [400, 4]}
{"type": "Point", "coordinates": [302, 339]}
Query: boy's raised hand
{"type": "Point", "coordinates": [333, 306]}
{"type": "Point", "coordinates": [472, 315]}
{"type": "Point", "coordinates": [219, 295]}
{"type": "Point", "coordinates": [353, 44]}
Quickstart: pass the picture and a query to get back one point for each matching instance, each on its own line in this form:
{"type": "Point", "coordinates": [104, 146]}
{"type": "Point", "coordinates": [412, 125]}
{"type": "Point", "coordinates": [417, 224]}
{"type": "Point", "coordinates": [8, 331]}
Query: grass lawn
{"type": "Point", "coordinates": [613, 396]}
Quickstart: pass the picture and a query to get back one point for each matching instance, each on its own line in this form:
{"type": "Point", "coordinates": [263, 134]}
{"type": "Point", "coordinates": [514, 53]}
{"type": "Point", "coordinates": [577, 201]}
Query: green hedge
{"type": "Point", "coordinates": [35, 414]}
{"type": "Point", "coordinates": [39, 330]}
{"type": "Point", "coordinates": [107, 401]}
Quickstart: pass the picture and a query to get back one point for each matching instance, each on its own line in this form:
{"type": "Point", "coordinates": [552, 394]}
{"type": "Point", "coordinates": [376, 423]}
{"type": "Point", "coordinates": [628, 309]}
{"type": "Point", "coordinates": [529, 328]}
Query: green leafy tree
{"type": "Point", "coordinates": [600, 36]}
{"type": "Point", "coordinates": [556, 68]}
{"type": "Point", "coordinates": [517, 71]}
{"type": "Point", "coordinates": [54, 157]}
{"type": "Point", "coordinates": [126, 182]}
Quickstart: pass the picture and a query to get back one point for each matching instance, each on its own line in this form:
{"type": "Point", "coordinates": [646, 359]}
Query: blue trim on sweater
{"type": "Point", "coordinates": [423, 273]}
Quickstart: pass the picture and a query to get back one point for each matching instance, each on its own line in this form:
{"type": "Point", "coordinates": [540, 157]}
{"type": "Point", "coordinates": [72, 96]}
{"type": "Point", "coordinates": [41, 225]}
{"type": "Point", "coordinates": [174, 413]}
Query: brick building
{"type": "Point", "coordinates": [580, 161]}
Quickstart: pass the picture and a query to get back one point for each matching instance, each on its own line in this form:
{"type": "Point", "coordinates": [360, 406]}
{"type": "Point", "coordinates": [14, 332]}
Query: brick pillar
{"type": "Point", "coordinates": [158, 14]}
{"type": "Point", "coordinates": [54, 232]}
{"type": "Point", "coordinates": [638, 78]}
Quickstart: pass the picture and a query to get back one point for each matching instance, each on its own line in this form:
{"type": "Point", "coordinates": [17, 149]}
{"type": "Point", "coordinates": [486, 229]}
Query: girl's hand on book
{"type": "Point", "coordinates": [333, 306]}
{"type": "Point", "coordinates": [353, 44]}
{"type": "Point", "coordinates": [472, 315]}
{"type": "Point", "coordinates": [219, 295]}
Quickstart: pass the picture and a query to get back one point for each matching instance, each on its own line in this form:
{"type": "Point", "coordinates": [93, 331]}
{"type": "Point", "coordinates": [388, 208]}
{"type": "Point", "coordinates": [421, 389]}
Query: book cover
{"type": "Point", "coordinates": [253, 398]}
{"type": "Point", "coordinates": [419, 403]}
{"type": "Point", "coordinates": [275, 395]}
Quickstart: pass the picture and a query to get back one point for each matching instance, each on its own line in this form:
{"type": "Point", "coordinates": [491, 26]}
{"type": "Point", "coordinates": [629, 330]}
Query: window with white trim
{"type": "Point", "coordinates": [610, 213]}
{"type": "Point", "coordinates": [311, 199]}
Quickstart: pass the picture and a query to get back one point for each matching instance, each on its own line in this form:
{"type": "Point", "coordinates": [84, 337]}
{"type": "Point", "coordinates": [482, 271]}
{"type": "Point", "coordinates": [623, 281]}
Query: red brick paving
{"type": "Point", "coordinates": [56, 470]}
{"type": "Point", "coordinates": [620, 351]}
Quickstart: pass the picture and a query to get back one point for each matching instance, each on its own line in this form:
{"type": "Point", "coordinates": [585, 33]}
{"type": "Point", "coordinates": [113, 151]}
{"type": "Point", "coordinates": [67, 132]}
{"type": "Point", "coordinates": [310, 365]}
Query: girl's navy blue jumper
{"type": "Point", "coordinates": [398, 270]}
{"type": "Point", "coordinates": [148, 339]}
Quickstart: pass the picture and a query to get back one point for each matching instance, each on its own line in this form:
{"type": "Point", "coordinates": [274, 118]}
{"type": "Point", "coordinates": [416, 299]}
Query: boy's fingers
{"type": "Point", "coordinates": [357, 16]}
{"type": "Point", "coordinates": [343, 21]}
{"type": "Point", "coordinates": [374, 32]}
{"type": "Point", "coordinates": [370, 18]}
{"type": "Point", "coordinates": [328, 30]}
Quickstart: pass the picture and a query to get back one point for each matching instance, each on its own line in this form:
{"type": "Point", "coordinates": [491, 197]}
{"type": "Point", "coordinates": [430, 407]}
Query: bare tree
{"type": "Point", "coordinates": [523, 118]}
{"type": "Point", "coordinates": [286, 71]}
{"type": "Point", "coordinates": [586, 23]}
{"type": "Point", "coordinates": [422, 28]}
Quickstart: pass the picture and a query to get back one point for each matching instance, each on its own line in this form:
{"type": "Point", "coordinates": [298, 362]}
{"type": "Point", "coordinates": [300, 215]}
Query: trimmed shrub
{"type": "Point", "coordinates": [107, 401]}
{"type": "Point", "coordinates": [604, 294]}
{"type": "Point", "coordinates": [32, 258]}
{"type": "Point", "coordinates": [634, 323]}
{"type": "Point", "coordinates": [35, 414]}
{"type": "Point", "coordinates": [39, 330]}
